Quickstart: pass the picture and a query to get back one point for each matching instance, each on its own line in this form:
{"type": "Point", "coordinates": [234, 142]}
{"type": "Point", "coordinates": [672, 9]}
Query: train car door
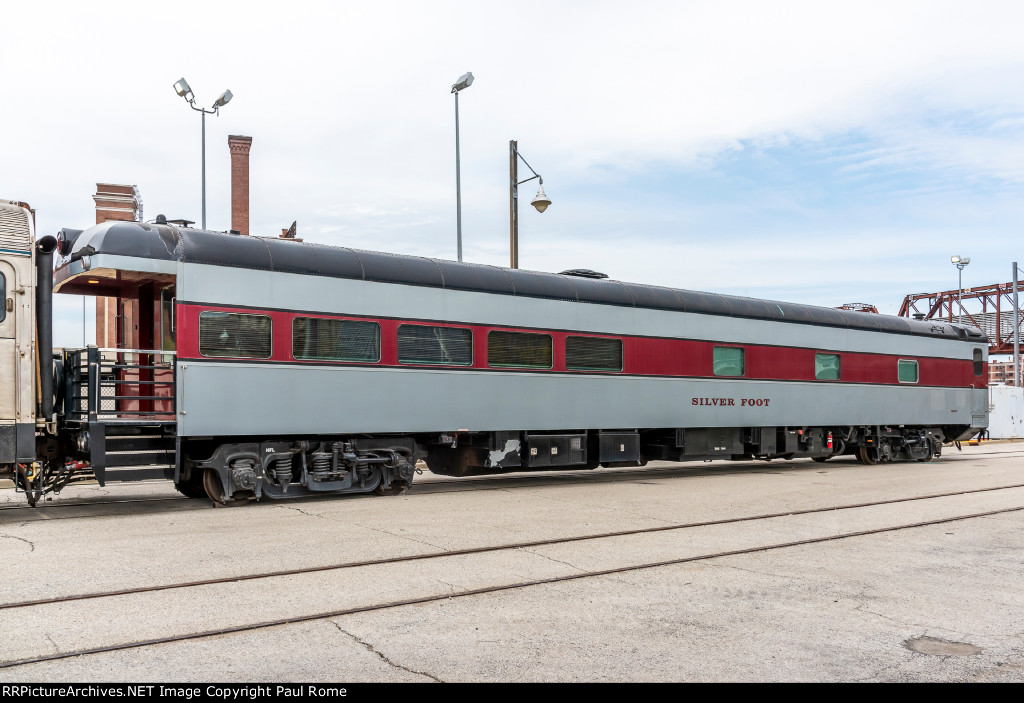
{"type": "Point", "coordinates": [164, 338]}
{"type": "Point", "coordinates": [8, 362]}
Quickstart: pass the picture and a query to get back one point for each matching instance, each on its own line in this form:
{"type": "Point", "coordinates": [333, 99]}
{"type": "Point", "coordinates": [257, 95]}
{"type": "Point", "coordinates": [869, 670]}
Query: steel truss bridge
{"type": "Point", "coordinates": [988, 307]}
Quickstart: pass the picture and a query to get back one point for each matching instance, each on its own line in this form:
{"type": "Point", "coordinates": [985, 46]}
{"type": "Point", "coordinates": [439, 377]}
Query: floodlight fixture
{"type": "Point", "coordinates": [182, 89]}
{"type": "Point", "coordinates": [223, 100]}
{"type": "Point", "coordinates": [465, 80]}
{"type": "Point", "coordinates": [960, 261]}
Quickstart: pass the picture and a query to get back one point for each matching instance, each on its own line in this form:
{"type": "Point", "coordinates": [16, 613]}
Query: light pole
{"type": "Point", "coordinates": [960, 262]}
{"type": "Point", "coordinates": [540, 201]}
{"type": "Point", "coordinates": [465, 80]}
{"type": "Point", "coordinates": [182, 89]}
{"type": "Point", "coordinates": [1016, 331]}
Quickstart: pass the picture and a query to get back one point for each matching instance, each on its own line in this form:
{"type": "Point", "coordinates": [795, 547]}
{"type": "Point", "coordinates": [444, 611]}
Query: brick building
{"type": "Point", "coordinates": [117, 318]}
{"type": "Point", "coordinates": [1000, 373]}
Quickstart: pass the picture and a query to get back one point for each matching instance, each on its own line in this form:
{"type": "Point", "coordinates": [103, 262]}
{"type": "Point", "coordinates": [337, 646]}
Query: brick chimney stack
{"type": "Point", "coordinates": [124, 204]}
{"type": "Point", "coordinates": [117, 202]}
{"type": "Point", "coordinates": [240, 147]}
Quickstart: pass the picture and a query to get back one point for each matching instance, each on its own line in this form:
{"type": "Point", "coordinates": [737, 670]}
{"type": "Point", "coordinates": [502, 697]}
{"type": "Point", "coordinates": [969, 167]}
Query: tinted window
{"type": "Point", "coordinates": [728, 361]}
{"type": "Point", "coordinates": [234, 334]}
{"type": "Point", "coordinates": [335, 340]}
{"type": "Point", "coordinates": [519, 349]}
{"type": "Point", "coordinates": [907, 371]}
{"type": "Point", "coordinates": [979, 364]}
{"type": "Point", "coordinates": [593, 354]}
{"type": "Point", "coordinates": [826, 367]}
{"type": "Point", "coordinates": [450, 346]}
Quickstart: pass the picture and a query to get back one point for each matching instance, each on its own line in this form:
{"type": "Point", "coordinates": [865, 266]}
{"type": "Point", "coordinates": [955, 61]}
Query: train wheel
{"type": "Point", "coordinates": [214, 490]}
{"type": "Point", "coordinates": [867, 455]}
{"type": "Point", "coordinates": [191, 488]}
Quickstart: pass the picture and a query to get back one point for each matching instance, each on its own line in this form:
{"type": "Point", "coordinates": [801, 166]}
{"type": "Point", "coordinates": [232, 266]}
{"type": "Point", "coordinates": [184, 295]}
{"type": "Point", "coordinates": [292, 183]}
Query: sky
{"type": "Point", "coordinates": [816, 152]}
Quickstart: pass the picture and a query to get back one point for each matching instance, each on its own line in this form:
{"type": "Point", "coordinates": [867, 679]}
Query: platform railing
{"type": "Point", "coordinates": [110, 383]}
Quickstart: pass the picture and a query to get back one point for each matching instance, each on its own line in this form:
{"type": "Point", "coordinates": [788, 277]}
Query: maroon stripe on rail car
{"type": "Point", "coordinates": [642, 356]}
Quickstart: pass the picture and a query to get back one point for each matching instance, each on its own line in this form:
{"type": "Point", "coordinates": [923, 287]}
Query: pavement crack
{"type": "Point", "coordinates": [32, 547]}
{"type": "Point", "coordinates": [300, 510]}
{"type": "Point", "coordinates": [767, 573]}
{"type": "Point", "coordinates": [863, 609]}
{"type": "Point", "coordinates": [602, 506]}
{"type": "Point", "coordinates": [50, 640]}
{"type": "Point", "coordinates": [370, 648]}
{"type": "Point", "coordinates": [395, 534]}
{"type": "Point", "coordinates": [557, 561]}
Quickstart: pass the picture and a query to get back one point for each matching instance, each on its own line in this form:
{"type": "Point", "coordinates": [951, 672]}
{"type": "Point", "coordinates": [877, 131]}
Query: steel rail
{"type": "Point", "coordinates": [481, 550]}
{"type": "Point", "coordinates": [488, 589]}
{"type": "Point", "coordinates": [85, 503]}
{"type": "Point", "coordinates": [439, 481]}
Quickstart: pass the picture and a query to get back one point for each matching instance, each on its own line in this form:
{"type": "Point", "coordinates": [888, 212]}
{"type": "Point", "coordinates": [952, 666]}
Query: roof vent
{"type": "Point", "coordinates": [161, 219]}
{"type": "Point", "coordinates": [181, 222]}
{"type": "Point", "coordinates": [583, 273]}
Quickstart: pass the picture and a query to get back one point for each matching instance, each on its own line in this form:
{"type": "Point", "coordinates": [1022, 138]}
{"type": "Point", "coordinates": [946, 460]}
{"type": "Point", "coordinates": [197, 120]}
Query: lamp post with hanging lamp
{"type": "Point", "coordinates": [960, 262]}
{"type": "Point", "coordinates": [540, 201]}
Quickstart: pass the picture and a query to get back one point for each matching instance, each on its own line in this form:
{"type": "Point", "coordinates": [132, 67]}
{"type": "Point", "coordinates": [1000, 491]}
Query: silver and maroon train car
{"type": "Point", "coordinates": [252, 366]}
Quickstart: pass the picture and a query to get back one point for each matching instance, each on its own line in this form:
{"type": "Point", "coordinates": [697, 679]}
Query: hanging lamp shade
{"type": "Point", "coordinates": [541, 200]}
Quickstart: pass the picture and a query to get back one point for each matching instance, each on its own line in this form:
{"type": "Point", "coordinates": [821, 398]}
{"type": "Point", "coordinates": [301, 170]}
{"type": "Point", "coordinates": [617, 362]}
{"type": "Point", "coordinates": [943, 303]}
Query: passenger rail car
{"type": "Point", "coordinates": [251, 367]}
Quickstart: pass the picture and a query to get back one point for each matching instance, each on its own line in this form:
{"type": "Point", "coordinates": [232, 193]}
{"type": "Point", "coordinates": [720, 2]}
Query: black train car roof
{"type": "Point", "coordinates": [198, 246]}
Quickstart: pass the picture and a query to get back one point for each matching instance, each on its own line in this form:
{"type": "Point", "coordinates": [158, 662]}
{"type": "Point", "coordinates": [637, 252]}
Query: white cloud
{"type": "Point", "coordinates": [352, 121]}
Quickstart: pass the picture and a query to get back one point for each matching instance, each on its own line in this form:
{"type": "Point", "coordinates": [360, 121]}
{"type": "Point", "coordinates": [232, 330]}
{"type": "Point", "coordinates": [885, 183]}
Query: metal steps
{"type": "Point", "coordinates": [132, 452]}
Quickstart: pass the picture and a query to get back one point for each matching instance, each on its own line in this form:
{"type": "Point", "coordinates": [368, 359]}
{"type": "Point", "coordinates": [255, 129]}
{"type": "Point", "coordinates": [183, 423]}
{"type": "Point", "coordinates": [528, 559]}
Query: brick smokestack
{"type": "Point", "coordinates": [124, 204]}
{"type": "Point", "coordinates": [240, 147]}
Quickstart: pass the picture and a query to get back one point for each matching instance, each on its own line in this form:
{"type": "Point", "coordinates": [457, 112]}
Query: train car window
{"type": "Point", "coordinates": [3, 297]}
{"type": "Point", "coordinates": [335, 340]}
{"type": "Point", "coordinates": [446, 346]}
{"type": "Point", "coordinates": [908, 372]}
{"type": "Point", "coordinates": [234, 334]}
{"type": "Point", "coordinates": [979, 365]}
{"type": "Point", "coordinates": [525, 349]}
{"type": "Point", "coordinates": [728, 361]}
{"type": "Point", "coordinates": [593, 354]}
{"type": "Point", "coordinates": [826, 367]}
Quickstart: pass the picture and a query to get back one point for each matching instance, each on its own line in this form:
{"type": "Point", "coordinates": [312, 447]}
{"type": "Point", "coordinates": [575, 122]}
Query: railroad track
{"type": "Point", "coordinates": [80, 503]}
{"type": "Point", "coordinates": [470, 483]}
{"type": "Point", "coordinates": [496, 588]}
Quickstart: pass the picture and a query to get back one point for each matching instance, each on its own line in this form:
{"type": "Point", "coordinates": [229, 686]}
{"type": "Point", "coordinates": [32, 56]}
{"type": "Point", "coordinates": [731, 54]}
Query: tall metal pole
{"type": "Point", "coordinates": [204, 169]}
{"type": "Point", "coordinates": [1016, 331]}
{"type": "Point", "coordinates": [513, 204]}
{"type": "Point", "coordinates": [458, 180]}
{"type": "Point", "coordinates": [960, 294]}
